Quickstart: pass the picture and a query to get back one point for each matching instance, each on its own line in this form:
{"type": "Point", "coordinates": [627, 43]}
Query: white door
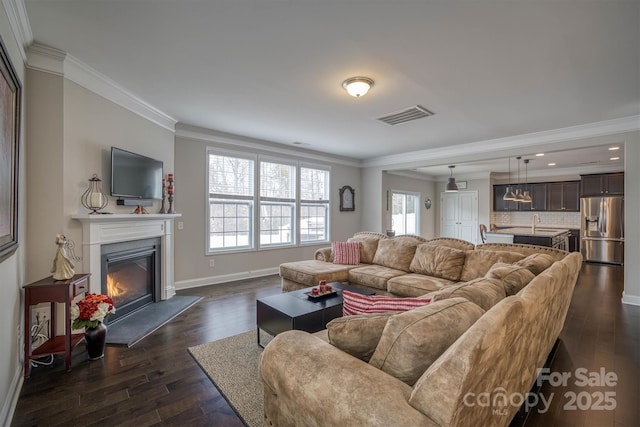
{"type": "Point", "coordinates": [459, 215]}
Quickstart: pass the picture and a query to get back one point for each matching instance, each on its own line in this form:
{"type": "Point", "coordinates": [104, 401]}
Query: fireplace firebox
{"type": "Point", "coordinates": [131, 275]}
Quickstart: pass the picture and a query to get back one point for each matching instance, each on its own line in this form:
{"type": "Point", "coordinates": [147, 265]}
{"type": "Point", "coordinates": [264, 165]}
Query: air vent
{"type": "Point", "coordinates": [406, 115]}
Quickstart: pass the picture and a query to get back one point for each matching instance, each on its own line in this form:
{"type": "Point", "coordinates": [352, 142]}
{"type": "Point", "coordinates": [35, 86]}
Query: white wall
{"type": "Point", "coordinates": [631, 293]}
{"type": "Point", "coordinates": [12, 269]}
{"type": "Point", "coordinates": [191, 261]}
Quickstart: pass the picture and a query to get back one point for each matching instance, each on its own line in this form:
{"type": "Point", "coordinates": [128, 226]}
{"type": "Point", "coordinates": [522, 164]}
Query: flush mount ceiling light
{"type": "Point", "coordinates": [451, 184]}
{"type": "Point", "coordinates": [357, 86]}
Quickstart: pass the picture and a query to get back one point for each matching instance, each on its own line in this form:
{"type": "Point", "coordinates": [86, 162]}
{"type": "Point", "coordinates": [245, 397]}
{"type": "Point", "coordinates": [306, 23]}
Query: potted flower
{"type": "Point", "coordinates": [89, 313]}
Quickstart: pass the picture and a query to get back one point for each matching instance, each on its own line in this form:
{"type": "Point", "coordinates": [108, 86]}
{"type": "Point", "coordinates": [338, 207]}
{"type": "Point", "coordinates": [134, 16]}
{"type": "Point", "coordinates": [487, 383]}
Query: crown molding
{"type": "Point", "coordinates": [518, 142]}
{"type": "Point", "coordinates": [19, 21]}
{"type": "Point", "coordinates": [51, 60]}
{"type": "Point", "coordinates": [194, 133]}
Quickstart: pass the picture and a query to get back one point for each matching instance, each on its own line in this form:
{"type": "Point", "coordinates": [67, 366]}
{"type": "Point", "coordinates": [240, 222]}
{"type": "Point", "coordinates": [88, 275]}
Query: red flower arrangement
{"type": "Point", "coordinates": [91, 310]}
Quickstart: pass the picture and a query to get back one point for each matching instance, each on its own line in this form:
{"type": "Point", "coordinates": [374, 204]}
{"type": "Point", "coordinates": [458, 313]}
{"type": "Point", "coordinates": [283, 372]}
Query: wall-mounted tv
{"type": "Point", "coordinates": [135, 176]}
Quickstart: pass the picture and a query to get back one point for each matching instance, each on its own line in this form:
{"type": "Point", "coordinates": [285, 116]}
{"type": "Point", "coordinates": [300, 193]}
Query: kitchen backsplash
{"type": "Point", "coordinates": [551, 219]}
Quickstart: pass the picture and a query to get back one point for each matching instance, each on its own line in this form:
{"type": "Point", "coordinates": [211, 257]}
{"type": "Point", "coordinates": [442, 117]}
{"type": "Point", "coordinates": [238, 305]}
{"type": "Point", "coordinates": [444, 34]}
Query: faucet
{"type": "Point", "coordinates": [534, 220]}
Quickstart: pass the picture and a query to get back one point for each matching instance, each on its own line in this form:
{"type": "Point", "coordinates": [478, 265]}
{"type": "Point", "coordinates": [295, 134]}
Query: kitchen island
{"type": "Point", "coordinates": [552, 237]}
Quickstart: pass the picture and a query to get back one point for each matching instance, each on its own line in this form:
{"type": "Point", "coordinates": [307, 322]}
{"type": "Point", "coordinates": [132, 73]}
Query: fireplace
{"type": "Point", "coordinates": [131, 274]}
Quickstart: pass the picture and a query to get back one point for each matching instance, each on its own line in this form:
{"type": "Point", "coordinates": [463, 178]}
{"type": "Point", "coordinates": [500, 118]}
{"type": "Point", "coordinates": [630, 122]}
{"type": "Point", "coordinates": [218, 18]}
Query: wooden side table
{"type": "Point", "coordinates": [52, 291]}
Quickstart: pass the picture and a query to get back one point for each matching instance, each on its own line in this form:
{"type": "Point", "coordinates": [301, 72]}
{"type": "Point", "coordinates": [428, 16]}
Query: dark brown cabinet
{"type": "Point", "coordinates": [609, 184]}
{"type": "Point", "coordinates": [52, 292]}
{"type": "Point", "coordinates": [538, 193]}
{"type": "Point", "coordinates": [500, 205]}
{"type": "Point", "coordinates": [563, 196]}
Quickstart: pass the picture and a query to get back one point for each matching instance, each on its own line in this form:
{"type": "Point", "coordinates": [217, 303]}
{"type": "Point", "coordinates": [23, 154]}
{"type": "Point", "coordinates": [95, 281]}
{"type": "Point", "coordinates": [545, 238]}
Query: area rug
{"type": "Point", "coordinates": [232, 365]}
{"type": "Point", "coordinates": [133, 328]}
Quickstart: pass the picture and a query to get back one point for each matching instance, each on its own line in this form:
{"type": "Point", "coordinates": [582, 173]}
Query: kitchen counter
{"type": "Point", "coordinates": [552, 237]}
{"type": "Point", "coordinates": [526, 231]}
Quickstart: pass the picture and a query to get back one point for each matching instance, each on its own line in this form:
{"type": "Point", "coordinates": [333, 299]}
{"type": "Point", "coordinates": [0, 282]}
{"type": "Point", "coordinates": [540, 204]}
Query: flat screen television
{"type": "Point", "coordinates": [135, 176]}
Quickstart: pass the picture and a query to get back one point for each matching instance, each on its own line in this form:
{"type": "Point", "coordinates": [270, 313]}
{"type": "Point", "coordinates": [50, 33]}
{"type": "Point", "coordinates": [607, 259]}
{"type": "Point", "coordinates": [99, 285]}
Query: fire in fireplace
{"type": "Point", "coordinates": [131, 274]}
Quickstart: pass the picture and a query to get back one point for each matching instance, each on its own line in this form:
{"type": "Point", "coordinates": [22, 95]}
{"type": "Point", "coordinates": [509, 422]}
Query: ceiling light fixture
{"type": "Point", "coordinates": [614, 148]}
{"type": "Point", "coordinates": [357, 86]}
{"type": "Point", "coordinates": [551, 164]}
{"type": "Point", "coordinates": [519, 195]}
{"type": "Point", "coordinates": [527, 196]}
{"type": "Point", "coordinates": [539, 154]}
{"type": "Point", "coordinates": [508, 195]}
{"type": "Point", "coordinates": [451, 184]}
{"type": "Point", "coordinates": [614, 158]}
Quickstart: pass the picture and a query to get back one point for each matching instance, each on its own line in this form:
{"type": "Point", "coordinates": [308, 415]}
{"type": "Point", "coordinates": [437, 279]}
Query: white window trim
{"type": "Point", "coordinates": [418, 196]}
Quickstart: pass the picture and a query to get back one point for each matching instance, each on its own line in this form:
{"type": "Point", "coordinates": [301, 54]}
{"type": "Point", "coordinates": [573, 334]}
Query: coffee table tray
{"type": "Point", "coordinates": [320, 296]}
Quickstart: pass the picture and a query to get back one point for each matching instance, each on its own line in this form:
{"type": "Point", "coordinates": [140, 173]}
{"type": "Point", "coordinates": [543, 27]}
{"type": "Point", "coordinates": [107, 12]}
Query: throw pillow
{"type": "Point", "coordinates": [358, 335]}
{"type": "Point", "coordinates": [354, 303]}
{"type": "Point", "coordinates": [346, 253]}
{"type": "Point", "coordinates": [395, 253]}
{"type": "Point", "coordinates": [413, 340]}
{"type": "Point", "coordinates": [513, 277]}
{"type": "Point", "coordinates": [368, 247]}
{"type": "Point", "coordinates": [536, 263]}
{"type": "Point", "coordinates": [482, 291]}
{"type": "Point", "coordinates": [478, 262]}
{"type": "Point", "coordinates": [438, 261]}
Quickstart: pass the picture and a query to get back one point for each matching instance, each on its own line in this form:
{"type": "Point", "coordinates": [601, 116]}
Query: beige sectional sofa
{"type": "Point", "coordinates": [406, 265]}
{"type": "Point", "coordinates": [428, 366]}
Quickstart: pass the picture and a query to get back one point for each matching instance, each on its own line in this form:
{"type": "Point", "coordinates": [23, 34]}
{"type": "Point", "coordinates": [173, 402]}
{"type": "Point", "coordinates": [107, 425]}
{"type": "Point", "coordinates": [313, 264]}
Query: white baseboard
{"type": "Point", "coordinates": [213, 280]}
{"type": "Point", "coordinates": [630, 299]}
{"type": "Point", "coordinates": [9, 406]}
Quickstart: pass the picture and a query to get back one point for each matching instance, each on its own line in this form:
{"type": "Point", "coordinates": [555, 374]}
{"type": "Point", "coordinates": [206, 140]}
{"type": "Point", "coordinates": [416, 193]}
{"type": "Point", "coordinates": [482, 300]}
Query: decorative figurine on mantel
{"type": "Point", "coordinates": [63, 267]}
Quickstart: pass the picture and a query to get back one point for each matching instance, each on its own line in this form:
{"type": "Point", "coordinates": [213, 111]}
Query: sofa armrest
{"type": "Point", "coordinates": [324, 254]}
{"type": "Point", "coordinates": [306, 378]}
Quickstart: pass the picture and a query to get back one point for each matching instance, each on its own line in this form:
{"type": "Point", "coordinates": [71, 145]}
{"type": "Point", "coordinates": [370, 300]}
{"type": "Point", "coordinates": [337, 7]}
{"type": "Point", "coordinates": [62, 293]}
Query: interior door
{"type": "Point", "coordinates": [459, 215]}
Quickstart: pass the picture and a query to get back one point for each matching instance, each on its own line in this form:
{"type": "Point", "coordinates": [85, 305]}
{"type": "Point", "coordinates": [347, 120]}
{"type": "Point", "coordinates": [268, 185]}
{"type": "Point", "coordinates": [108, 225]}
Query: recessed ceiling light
{"type": "Point", "coordinates": [539, 154]}
{"type": "Point", "coordinates": [614, 158]}
{"type": "Point", "coordinates": [551, 164]}
{"type": "Point", "coordinates": [614, 148]}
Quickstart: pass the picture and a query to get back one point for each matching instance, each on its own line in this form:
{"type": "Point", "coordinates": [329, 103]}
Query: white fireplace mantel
{"type": "Point", "coordinates": [101, 229]}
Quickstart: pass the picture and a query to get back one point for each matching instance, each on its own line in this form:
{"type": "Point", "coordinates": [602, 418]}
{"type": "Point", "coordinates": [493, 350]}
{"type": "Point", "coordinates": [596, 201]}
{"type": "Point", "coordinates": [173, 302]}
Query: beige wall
{"type": "Point", "coordinates": [424, 188]}
{"type": "Point", "coordinates": [71, 131]}
{"type": "Point", "coordinates": [191, 261]}
{"type": "Point", "coordinates": [12, 269]}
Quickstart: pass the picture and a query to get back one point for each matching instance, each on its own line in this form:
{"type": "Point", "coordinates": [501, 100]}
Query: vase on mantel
{"type": "Point", "coordinates": [96, 339]}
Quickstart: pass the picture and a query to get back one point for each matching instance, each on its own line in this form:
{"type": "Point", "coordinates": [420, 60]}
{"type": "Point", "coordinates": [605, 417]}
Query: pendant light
{"type": "Point", "coordinates": [508, 195]}
{"type": "Point", "coordinates": [519, 195]}
{"type": "Point", "coordinates": [527, 196]}
{"type": "Point", "coordinates": [451, 184]}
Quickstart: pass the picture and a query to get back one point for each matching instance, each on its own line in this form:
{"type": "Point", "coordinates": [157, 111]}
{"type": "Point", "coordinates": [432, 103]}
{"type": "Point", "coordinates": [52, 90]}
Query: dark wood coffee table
{"type": "Point", "coordinates": [295, 310]}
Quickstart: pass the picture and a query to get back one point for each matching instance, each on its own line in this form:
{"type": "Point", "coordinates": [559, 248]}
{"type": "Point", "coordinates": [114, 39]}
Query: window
{"type": "Point", "coordinates": [231, 184]}
{"type": "Point", "coordinates": [277, 203]}
{"type": "Point", "coordinates": [405, 217]}
{"type": "Point", "coordinates": [290, 206]}
{"type": "Point", "coordinates": [314, 205]}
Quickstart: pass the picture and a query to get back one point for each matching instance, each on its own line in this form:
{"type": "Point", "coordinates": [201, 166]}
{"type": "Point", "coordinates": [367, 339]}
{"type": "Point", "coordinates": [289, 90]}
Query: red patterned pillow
{"type": "Point", "coordinates": [346, 253]}
{"type": "Point", "coordinates": [354, 303]}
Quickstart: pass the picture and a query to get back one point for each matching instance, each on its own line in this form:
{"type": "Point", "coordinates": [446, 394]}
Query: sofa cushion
{"type": "Point", "coordinates": [346, 252]}
{"type": "Point", "coordinates": [438, 261]}
{"type": "Point", "coordinates": [536, 263]}
{"type": "Point", "coordinates": [368, 246]}
{"type": "Point", "coordinates": [355, 303]}
{"type": "Point", "coordinates": [415, 285]}
{"type": "Point", "coordinates": [477, 263]}
{"type": "Point", "coordinates": [395, 253]}
{"type": "Point", "coordinates": [483, 291]}
{"type": "Point", "coordinates": [374, 276]}
{"type": "Point", "coordinates": [310, 272]}
{"type": "Point", "coordinates": [514, 277]}
{"type": "Point", "coordinates": [413, 340]}
{"type": "Point", "coordinates": [358, 335]}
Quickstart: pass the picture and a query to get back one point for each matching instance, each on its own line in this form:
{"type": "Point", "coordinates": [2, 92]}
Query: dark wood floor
{"type": "Point", "coordinates": [156, 382]}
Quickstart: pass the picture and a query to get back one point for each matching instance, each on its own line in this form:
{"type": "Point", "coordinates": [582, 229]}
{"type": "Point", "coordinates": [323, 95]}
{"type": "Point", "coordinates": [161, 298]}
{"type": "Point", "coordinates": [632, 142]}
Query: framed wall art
{"type": "Point", "coordinates": [10, 98]}
{"type": "Point", "coordinates": [347, 198]}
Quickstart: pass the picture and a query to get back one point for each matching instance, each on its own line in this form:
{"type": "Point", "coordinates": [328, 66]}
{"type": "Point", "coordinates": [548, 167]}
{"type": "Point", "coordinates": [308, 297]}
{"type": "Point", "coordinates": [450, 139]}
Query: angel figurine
{"type": "Point", "coordinates": [63, 267]}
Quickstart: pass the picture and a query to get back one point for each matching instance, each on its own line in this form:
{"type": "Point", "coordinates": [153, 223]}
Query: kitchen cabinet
{"type": "Point", "coordinates": [500, 205]}
{"type": "Point", "coordinates": [538, 193]}
{"type": "Point", "coordinates": [610, 184]}
{"type": "Point", "coordinates": [563, 196]}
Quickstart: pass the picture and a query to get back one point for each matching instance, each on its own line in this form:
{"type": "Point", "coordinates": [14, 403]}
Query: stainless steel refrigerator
{"type": "Point", "coordinates": [602, 229]}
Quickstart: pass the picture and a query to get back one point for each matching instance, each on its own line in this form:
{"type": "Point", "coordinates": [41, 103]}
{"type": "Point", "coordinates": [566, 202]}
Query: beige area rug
{"type": "Point", "coordinates": [232, 364]}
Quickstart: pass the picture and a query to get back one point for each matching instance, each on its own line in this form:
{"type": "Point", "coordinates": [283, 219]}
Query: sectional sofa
{"type": "Point", "coordinates": [409, 265]}
{"type": "Point", "coordinates": [468, 357]}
